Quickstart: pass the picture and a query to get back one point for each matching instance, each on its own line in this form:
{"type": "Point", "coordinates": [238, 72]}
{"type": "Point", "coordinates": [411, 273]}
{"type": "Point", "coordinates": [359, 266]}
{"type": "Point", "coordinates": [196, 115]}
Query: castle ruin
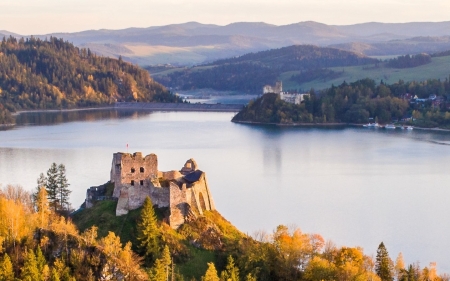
{"type": "Point", "coordinates": [295, 98]}
{"type": "Point", "coordinates": [184, 192]}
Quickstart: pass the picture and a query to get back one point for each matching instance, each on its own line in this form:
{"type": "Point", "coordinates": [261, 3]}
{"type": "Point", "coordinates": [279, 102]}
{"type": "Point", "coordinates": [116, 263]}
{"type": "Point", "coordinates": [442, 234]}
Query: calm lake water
{"type": "Point", "coordinates": [355, 186]}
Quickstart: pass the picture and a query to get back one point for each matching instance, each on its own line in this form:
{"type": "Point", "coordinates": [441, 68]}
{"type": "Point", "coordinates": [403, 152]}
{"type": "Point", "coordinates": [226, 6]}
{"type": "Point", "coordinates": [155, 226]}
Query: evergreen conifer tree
{"type": "Point", "coordinates": [167, 260]}
{"type": "Point", "coordinates": [148, 232]}
{"type": "Point", "coordinates": [157, 272]}
{"type": "Point", "coordinates": [63, 188]}
{"type": "Point", "coordinates": [52, 187]}
{"type": "Point", "coordinates": [383, 264]}
{"type": "Point", "coordinates": [231, 272]}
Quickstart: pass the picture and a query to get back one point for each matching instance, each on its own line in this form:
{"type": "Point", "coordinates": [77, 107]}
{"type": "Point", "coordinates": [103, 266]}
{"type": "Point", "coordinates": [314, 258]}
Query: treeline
{"type": "Point", "coordinates": [408, 61]}
{"type": "Point", "coordinates": [40, 74]}
{"type": "Point", "coordinates": [37, 244]}
{"type": "Point", "coordinates": [249, 73]}
{"type": "Point", "coordinates": [356, 103]}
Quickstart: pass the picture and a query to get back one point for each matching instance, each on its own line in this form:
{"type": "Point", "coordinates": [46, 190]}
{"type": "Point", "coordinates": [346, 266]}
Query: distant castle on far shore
{"type": "Point", "coordinates": [184, 192]}
{"type": "Point", "coordinates": [295, 98]}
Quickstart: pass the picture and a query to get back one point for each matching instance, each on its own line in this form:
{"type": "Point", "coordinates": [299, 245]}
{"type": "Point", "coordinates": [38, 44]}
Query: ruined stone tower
{"type": "Point", "coordinates": [185, 192]}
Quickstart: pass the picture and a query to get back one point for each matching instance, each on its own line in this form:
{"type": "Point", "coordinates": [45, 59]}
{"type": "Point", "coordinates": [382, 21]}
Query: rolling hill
{"type": "Point", "coordinates": [250, 72]}
{"type": "Point", "coordinates": [195, 43]}
{"type": "Point", "coordinates": [37, 74]}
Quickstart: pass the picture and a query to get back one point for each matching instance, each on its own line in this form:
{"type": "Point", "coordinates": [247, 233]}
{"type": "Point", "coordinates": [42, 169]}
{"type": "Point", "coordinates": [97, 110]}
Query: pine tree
{"type": "Point", "coordinates": [231, 272]}
{"type": "Point", "coordinates": [30, 270]}
{"type": "Point", "coordinates": [148, 231]}
{"type": "Point", "coordinates": [211, 273]}
{"type": "Point", "coordinates": [52, 187]}
{"type": "Point", "coordinates": [383, 264]}
{"type": "Point", "coordinates": [6, 269]}
{"type": "Point", "coordinates": [167, 260]}
{"type": "Point", "coordinates": [63, 188]}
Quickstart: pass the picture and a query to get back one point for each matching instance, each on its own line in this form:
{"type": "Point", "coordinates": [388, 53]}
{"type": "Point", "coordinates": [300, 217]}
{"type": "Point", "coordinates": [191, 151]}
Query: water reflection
{"type": "Point", "coordinates": [59, 117]}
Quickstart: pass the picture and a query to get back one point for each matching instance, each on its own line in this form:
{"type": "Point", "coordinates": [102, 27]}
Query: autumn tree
{"type": "Point", "coordinates": [148, 231]}
{"type": "Point", "coordinates": [6, 269]}
{"type": "Point", "coordinates": [30, 271]}
{"type": "Point", "coordinates": [211, 273]}
{"type": "Point", "coordinates": [158, 271]}
{"type": "Point", "coordinates": [130, 264]}
{"type": "Point", "coordinates": [43, 209]}
{"type": "Point", "coordinates": [383, 265]}
{"type": "Point", "coordinates": [399, 266]}
{"type": "Point", "coordinates": [231, 272]}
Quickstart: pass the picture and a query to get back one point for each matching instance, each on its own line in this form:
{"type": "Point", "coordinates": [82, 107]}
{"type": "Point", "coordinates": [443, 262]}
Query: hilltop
{"type": "Point", "coordinates": [192, 43]}
{"type": "Point", "coordinates": [44, 74]}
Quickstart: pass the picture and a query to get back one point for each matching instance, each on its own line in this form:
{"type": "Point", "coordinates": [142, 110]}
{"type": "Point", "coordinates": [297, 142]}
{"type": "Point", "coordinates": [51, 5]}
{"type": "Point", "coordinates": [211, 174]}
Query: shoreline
{"type": "Point", "coordinates": [436, 129]}
{"type": "Point", "coordinates": [147, 106]}
{"type": "Point", "coordinates": [182, 107]}
{"type": "Point", "coordinates": [60, 110]}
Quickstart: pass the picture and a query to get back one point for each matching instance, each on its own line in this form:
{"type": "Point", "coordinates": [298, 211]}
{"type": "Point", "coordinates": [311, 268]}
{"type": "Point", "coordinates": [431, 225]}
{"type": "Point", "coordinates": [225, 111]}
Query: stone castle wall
{"type": "Point", "coordinates": [184, 192]}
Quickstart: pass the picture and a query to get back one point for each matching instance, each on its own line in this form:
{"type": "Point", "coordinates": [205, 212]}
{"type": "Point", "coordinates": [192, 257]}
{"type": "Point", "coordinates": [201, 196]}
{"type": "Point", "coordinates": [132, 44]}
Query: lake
{"type": "Point", "coordinates": [355, 186]}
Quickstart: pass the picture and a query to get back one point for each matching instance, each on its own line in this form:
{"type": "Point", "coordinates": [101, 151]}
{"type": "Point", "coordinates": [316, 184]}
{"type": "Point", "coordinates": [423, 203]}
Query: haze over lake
{"type": "Point", "coordinates": [355, 186]}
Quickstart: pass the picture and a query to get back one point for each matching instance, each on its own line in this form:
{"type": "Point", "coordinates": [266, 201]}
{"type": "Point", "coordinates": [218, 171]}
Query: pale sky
{"type": "Point", "coordinates": [29, 17]}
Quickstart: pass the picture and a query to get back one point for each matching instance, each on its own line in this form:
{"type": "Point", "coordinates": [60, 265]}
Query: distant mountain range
{"type": "Point", "coordinates": [194, 43]}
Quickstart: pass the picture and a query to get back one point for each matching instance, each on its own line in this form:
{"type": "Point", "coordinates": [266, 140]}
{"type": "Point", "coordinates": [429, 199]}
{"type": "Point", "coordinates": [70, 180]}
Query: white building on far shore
{"type": "Point", "coordinates": [295, 98]}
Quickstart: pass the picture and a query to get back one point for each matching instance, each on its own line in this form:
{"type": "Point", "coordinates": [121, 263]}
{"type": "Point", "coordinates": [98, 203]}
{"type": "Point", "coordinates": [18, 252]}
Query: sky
{"type": "Point", "coordinates": [34, 17]}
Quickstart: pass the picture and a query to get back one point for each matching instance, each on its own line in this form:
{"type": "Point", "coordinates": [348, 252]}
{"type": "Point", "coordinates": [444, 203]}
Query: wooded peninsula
{"type": "Point", "coordinates": [54, 74]}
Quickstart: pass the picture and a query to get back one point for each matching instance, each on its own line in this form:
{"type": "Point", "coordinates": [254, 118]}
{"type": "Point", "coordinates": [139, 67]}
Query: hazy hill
{"type": "Point", "coordinates": [415, 45]}
{"type": "Point", "coordinates": [194, 43]}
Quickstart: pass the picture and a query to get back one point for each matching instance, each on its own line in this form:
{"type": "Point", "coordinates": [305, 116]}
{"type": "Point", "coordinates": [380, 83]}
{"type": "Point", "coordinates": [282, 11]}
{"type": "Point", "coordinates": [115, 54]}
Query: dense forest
{"type": "Point", "coordinates": [357, 102]}
{"type": "Point", "coordinates": [43, 74]}
{"type": "Point", "coordinates": [39, 243]}
{"type": "Point", "coordinates": [249, 73]}
{"type": "Point", "coordinates": [408, 61]}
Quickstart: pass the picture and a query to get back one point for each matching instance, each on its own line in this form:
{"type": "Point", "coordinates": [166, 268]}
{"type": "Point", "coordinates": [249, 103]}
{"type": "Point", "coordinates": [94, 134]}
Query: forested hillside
{"type": "Point", "coordinates": [42, 74]}
{"type": "Point", "coordinates": [249, 73]}
{"type": "Point", "coordinates": [36, 243]}
{"type": "Point", "coordinates": [357, 102]}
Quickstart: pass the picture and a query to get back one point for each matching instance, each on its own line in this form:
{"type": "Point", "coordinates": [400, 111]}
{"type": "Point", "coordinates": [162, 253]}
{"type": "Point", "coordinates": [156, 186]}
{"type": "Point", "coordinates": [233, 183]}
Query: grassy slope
{"type": "Point", "coordinates": [103, 216]}
{"type": "Point", "coordinates": [438, 68]}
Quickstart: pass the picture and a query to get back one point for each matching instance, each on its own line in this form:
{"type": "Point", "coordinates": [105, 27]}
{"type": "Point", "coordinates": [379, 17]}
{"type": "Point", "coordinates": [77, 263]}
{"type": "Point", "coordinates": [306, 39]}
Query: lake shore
{"type": "Point", "coordinates": [148, 106]}
{"type": "Point", "coordinates": [327, 125]}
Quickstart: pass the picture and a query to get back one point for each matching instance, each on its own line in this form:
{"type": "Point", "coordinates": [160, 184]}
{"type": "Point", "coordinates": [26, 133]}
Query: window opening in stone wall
{"type": "Point", "coordinates": [142, 182]}
{"type": "Point", "coordinates": [132, 182]}
{"type": "Point", "coordinates": [133, 170]}
{"type": "Point", "coordinates": [142, 169]}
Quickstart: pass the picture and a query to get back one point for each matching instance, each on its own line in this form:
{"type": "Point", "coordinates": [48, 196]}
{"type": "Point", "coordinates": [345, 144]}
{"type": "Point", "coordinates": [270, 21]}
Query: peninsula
{"type": "Point", "coordinates": [423, 104]}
